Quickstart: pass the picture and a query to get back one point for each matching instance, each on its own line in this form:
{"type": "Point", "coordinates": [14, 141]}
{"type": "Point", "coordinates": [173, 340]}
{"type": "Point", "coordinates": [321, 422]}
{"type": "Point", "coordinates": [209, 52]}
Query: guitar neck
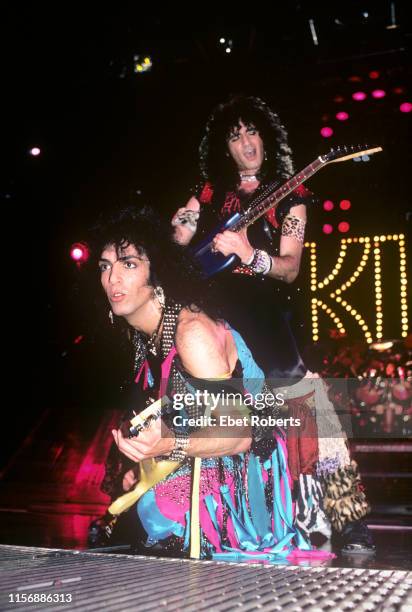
{"type": "Point", "coordinates": [263, 203]}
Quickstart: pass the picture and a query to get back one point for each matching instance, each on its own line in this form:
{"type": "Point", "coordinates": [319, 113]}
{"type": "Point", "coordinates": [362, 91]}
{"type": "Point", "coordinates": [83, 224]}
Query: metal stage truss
{"type": "Point", "coordinates": [100, 581]}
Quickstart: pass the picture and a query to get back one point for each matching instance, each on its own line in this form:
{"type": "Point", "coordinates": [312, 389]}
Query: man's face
{"type": "Point", "coordinates": [125, 279]}
{"type": "Point", "coordinates": [246, 147]}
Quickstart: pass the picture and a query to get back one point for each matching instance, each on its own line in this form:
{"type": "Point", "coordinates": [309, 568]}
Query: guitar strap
{"type": "Point", "coordinates": [151, 471]}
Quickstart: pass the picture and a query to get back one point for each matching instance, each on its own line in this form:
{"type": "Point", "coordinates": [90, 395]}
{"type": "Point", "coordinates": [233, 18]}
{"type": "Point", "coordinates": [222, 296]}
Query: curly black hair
{"type": "Point", "coordinates": [220, 169]}
{"type": "Point", "coordinates": [171, 264]}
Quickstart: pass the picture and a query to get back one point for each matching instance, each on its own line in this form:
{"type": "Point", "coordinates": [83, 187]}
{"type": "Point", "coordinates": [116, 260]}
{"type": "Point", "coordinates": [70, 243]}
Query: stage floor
{"type": "Point", "coordinates": [90, 581]}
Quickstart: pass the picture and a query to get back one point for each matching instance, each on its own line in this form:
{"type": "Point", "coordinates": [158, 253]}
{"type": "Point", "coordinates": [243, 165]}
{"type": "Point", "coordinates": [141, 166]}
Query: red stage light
{"type": "Point", "coordinates": [343, 227]}
{"type": "Point", "coordinates": [328, 205]}
{"type": "Point", "coordinates": [327, 228]}
{"type": "Point", "coordinates": [345, 204]}
{"type": "Point", "coordinates": [35, 151]}
{"type": "Point", "coordinates": [398, 90]}
{"type": "Point", "coordinates": [406, 107]}
{"type": "Point", "coordinates": [374, 74]}
{"type": "Point", "coordinates": [359, 95]}
{"type": "Point", "coordinates": [355, 79]}
{"type": "Point", "coordinates": [79, 252]}
{"type": "Point", "coordinates": [338, 99]}
{"type": "Point", "coordinates": [326, 132]}
{"type": "Point", "coordinates": [342, 116]}
{"type": "Point", "coordinates": [378, 93]}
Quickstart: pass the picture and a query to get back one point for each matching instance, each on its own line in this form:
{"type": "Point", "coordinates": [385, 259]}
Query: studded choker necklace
{"type": "Point", "coordinates": [248, 178]}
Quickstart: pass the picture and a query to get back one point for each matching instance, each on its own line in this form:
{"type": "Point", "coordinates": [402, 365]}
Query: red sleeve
{"type": "Point", "coordinates": [206, 193]}
{"type": "Point", "coordinates": [300, 195]}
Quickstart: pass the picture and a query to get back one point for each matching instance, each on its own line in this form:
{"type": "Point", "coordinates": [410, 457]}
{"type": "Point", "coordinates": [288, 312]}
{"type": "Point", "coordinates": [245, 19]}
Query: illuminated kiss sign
{"type": "Point", "coordinates": [334, 303]}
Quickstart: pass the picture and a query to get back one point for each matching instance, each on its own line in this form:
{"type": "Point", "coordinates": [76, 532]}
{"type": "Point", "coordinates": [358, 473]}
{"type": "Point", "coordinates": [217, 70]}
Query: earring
{"type": "Point", "coordinates": [160, 295]}
{"type": "Point", "coordinates": [227, 154]}
{"type": "Point", "coordinates": [111, 317]}
{"type": "Point", "coordinates": [265, 156]}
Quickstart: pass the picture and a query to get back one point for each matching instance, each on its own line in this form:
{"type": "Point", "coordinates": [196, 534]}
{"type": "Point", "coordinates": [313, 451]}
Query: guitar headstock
{"type": "Point", "coordinates": [345, 152]}
{"type": "Point", "coordinates": [143, 419]}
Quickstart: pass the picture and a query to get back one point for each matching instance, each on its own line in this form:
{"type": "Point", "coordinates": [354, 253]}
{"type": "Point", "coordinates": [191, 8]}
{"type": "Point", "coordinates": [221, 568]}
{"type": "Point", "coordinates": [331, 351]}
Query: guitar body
{"type": "Point", "coordinates": [210, 262]}
{"type": "Point", "coordinates": [150, 471]}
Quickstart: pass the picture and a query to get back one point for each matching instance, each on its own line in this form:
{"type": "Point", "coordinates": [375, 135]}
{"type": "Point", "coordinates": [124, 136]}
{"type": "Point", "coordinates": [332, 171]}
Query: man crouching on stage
{"type": "Point", "coordinates": [188, 495]}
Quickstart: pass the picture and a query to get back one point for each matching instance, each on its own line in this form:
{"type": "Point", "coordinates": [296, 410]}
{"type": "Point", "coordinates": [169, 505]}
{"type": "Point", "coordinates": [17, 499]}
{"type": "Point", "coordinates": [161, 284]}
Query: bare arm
{"type": "Point", "coordinates": [286, 266]}
{"type": "Point", "coordinates": [202, 348]}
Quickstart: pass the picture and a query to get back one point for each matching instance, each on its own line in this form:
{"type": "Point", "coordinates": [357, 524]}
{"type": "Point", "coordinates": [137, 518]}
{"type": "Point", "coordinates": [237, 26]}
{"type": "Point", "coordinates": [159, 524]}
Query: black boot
{"type": "Point", "coordinates": [356, 538]}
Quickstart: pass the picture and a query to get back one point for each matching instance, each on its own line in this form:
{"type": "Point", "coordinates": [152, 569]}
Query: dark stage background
{"type": "Point", "coordinates": [109, 136]}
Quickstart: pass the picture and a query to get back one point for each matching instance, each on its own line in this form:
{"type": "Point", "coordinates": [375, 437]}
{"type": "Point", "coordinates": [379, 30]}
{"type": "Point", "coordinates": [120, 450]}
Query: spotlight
{"type": "Point", "coordinates": [406, 107]}
{"type": "Point", "coordinates": [345, 204]}
{"type": "Point", "coordinates": [342, 116]}
{"type": "Point", "coordinates": [141, 63]}
{"type": "Point", "coordinates": [393, 25]}
{"type": "Point", "coordinates": [35, 152]}
{"type": "Point", "coordinates": [79, 252]}
{"type": "Point", "coordinates": [328, 205]}
{"type": "Point", "coordinates": [359, 96]}
{"type": "Point", "coordinates": [343, 227]}
{"type": "Point", "coordinates": [228, 50]}
{"type": "Point", "coordinates": [378, 93]}
{"type": "Point", "coordinates": [327, 228]}
{"type": "Point", "coordinates": [222, 41]}
{"type": "Point", "coordinates": [374, 74]}
{"type": "Point", "coordinates": [326, 132]}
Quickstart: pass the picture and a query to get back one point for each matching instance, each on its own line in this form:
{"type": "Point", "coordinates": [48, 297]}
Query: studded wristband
{"type": "Point", "coordinates": [188, 218]}
{"type": "Point", "coordinates": [181, 446]}
{"type": "Point", "coordinates": [261, 263]}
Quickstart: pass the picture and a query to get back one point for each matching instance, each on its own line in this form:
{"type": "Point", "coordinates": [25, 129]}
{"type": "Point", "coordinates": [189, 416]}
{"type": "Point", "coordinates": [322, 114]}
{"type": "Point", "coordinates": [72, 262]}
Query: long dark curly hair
{"type": "Point", "coordinates": [171, 265]}
{"type": "Point", "coordinates": [219, 168]}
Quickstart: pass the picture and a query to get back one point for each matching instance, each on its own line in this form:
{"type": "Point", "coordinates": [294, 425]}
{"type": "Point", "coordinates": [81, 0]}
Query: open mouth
{"type": "Point", "coordinates": [249, 153]}
{"type": "Point", "coordinates": [117, 297]}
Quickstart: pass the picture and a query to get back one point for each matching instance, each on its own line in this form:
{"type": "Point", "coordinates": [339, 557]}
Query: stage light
{"type": "Point", "coordinates": [35, 152]}
{"type": "Point", "coordinates": [343, 227]}
{"type": "Point", "coordinates": [355, 79]}
{"type": "Point", "coordinates": [142, 64]}
{"type": "Point", "coordinates": [393, 25]}
{"type": "Point", "coordinates": [345, 204]}
{"type": "Point", "coordinates": [228, 50]}
{"type": "Point", "coordinates": [398, 90]}
{"type": "Point", "coordinates": [359, 96]}
{"type": "Point", "coordinates": [328, 205]}
{"type": "Point", "coordinates": [327, 228]}
{"type": "Point", "coordinates": [79, 252]}
{"type": "Point", "coordinates": [378, 93]}
{"type": "Point", "coordinates": [338, 99]}
{"type": "Point", "coordinates": [342, 116]}
{"type": "Point", "coordinates": [222, 41]}
{"type": "Point", "coordinates": [406, 107]}
{"type": "Point", "coordinates": [374, 74]}
{"type": "Point", "coordinates": [326, 132]}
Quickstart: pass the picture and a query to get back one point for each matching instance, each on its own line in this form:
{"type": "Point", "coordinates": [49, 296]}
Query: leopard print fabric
{"type": "Point", "coordinates": [344, 500]}
{"type": "Point", "coordinates": [294, 227]}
